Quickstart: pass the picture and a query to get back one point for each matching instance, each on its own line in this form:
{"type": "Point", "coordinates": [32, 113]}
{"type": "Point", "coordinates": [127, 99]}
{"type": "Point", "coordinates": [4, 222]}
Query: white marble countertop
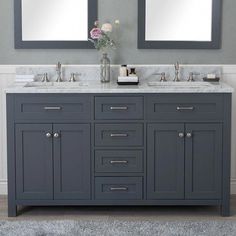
{"type": "Point", "coordinates": [143, 87]}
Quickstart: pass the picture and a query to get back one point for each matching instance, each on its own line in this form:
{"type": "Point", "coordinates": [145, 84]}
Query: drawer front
{"type": "Point", "coordinates": [118, 108]}
{"type": "Point", "coordinates": [185, 107]}
{"type": "Point", "coordinates": [118, 135]}
{"type": "Point", "coordinates": [52, 107]}
{"type": "Point", "coordinates": [119, 161]}
{"type": "Point", "coordinates": [119, 188]}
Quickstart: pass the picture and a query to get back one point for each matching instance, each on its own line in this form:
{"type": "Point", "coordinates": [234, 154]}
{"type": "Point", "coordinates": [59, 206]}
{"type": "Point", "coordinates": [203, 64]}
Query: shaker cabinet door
{"type": "Point", "coordinates": [203, 162]}
{"type": "Point", "coordinates": [71, 161]}
{"type": "Point", "coordinates": [34, 162]}
{"type": "Point", "coordinates": [165, 161]}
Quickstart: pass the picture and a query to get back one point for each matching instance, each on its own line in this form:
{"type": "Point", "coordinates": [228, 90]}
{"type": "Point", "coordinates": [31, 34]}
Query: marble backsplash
{"type": "Point", "coordinates": [91, 72]}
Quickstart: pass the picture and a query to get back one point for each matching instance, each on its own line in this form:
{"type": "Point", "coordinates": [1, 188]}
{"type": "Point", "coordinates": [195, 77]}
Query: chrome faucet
{"type": "Point", "coordinates": [191, 76]}
{"type": "Point", "coordinates": [177, 70]}
{"type": "Point", "coordinates": [73, 77]}
{"type": "Point", "coordinates": [45, 78]}
{"type": "Point", "coordinates": [59, 72]}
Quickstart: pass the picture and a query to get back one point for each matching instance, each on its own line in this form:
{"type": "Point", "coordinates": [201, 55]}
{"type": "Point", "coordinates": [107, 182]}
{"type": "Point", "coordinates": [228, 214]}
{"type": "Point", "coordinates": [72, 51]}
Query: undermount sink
{"type": "Point", "coordinates": [178, 84]}
{"type": "Point", "coordinates": [55, 85]}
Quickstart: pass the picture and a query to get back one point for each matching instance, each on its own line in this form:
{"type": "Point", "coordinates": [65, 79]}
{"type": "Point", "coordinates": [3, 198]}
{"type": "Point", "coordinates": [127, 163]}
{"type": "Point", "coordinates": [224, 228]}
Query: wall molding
{"type": "Point", "coordinates": [3, 187]}
{"type": "Point", "coordinates": [8, 69]}
{"type": "Point", "coordinates": [233, 186]}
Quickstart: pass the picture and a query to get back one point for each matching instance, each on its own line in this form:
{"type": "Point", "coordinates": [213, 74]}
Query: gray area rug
{"type": "Point", "coordinates": [117, 228]}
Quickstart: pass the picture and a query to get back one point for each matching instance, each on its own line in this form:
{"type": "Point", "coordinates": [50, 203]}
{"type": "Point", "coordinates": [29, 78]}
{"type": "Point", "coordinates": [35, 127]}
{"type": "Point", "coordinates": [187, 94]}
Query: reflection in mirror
{"type": "Point", "coordinates": [179, 20]}
{"type": "Point", "coordinates": [179, 24]}
{"type": "Point", "coordinates": [53, 20]}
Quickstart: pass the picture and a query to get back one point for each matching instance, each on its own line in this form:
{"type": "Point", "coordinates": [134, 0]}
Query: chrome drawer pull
{"type": "Point", "coordinates": [118, 135]}
{"type": "Point", "coordinates": [118, 162]}
{"type": "Point", "coordinates": [52, 108]}
{"type": "Point", "coordinates": [119, 189]}
{"type": "Point", "coordinates": [118, 108]}
{"type": "Point", "coordinates": [185, 108]}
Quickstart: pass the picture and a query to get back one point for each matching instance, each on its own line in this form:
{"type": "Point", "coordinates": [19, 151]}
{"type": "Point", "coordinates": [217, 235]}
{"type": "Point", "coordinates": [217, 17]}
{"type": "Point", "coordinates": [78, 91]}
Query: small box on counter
{"type": "Point", "coordinates": [211, 78]}
{"type": "Point", "coordinates": [128, 80]}
{"type": "Point", "coordinates": [217, 79]}
{"type": "Point", "coordinates": [127, 77]}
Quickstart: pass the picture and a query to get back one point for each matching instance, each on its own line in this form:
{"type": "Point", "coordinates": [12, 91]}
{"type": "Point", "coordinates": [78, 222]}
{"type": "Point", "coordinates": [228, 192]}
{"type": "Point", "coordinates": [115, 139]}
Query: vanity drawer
{"type": "Point", "coordinates": [185, 107]}
{"type": "Point", "coordinates": [52, 107]}
{"type": "Point", "coordinates": [119, 188]}
{"type": "Point", "coordinates": [118, 108]}
{"type": "Point", "coordinates": [119, 161]}
{"type": "Point", "coordinates": [119, 135]}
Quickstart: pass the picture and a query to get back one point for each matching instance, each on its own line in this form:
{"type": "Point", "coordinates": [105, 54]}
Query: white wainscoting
{"type": "Point", "coordinates": [7, 74]}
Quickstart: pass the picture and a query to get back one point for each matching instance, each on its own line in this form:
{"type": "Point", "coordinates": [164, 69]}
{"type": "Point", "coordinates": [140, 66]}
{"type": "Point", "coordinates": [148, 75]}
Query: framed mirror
{"type": "Point", "coordinates": [54, 24]}
{"type": "Point", "coordinates": [179, 24]}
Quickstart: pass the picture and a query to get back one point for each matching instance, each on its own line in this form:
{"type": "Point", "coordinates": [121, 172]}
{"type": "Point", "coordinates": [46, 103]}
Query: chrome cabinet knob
{"type": "Point", "coordinates": [48, 135]}
{"type": "Point", "coordinates": [181, 135]}
{"type": "Point", "coordinates": [56, 135]}
{"type": "Point", "coordinates": [189, 135]}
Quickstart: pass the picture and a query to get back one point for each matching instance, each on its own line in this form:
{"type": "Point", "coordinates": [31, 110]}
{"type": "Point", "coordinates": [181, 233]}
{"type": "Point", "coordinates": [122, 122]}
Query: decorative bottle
{"type": "Point", "coordinates": [105, 69]}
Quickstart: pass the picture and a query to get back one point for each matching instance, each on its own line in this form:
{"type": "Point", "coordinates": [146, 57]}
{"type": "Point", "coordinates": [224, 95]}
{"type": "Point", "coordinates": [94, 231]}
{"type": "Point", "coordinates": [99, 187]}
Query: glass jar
{"type": "Point", "coordinates": [105, 65]}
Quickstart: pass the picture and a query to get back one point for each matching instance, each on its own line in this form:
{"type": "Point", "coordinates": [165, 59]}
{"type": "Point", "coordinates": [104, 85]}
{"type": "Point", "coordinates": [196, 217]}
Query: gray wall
{"type": "Point", "coordinates": [126, 11]}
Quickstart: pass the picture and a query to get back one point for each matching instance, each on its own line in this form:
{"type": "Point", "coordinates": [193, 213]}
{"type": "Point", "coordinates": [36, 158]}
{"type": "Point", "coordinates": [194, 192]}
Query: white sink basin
{"type": "Point", "coordinates": [179, 84]}
{"type": "Point", "coordinates": [55, 85]}
{"type": "Point", "coordinates": [70, 85]}
{"type": "Point", "coordinates": [38, 84]}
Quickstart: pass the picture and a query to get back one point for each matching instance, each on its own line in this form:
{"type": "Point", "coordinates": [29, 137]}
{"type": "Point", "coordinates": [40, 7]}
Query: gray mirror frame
{"type": "Point", "coordinates": [20, 44]}
{"type": "Point", "coordinates": [216, 32]}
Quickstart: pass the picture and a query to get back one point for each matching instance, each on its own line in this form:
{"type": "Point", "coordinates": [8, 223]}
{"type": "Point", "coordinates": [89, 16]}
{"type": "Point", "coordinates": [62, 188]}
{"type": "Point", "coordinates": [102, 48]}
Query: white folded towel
{"type": "Point", "coordinates": [128, 79]}
{"type": "Point", "coordinates": [24, 78]}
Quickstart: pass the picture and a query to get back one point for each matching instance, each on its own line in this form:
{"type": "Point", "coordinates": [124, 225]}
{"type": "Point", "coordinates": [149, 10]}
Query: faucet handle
{"type": "Point", "coordinates": [163, 76]}
{"type": "Point", "coordinates": [44, 77]}
{"type": "Point", "coordinates": [73, 77]}
{"type": "Point", "coordinates": [191, 76]}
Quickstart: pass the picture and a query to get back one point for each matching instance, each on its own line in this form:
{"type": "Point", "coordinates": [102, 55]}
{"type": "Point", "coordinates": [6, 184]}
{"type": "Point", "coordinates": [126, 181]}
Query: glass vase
{"type": "Point", "coordinates": [105, 64]}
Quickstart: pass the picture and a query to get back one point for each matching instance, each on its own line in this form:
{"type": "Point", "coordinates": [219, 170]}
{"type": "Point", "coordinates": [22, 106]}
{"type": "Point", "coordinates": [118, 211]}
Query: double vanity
{"type": "Point", "coordinates": [103, 144]}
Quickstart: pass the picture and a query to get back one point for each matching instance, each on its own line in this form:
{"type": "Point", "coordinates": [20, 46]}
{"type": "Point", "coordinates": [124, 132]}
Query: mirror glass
{"type": "Point", "coordinates": [54, 20]}
{"type": "Point", "coordinates": [179, 24]}
{"type": "Point", "coordinates": [179, 20]}
{"type": "Point", "coordinates": [54, 24]}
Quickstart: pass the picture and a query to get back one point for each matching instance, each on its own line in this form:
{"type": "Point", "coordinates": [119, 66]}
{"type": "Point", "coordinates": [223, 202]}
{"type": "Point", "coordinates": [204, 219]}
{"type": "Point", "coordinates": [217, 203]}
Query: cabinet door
{"type": "Point", "coordinates": [203, 161]}
{"type": "Point", "coordinates": [72, 161]}
{"type": "Point", "coordinates": [165, 161]}
{"type": "Point", "coordinates": [34, 165]}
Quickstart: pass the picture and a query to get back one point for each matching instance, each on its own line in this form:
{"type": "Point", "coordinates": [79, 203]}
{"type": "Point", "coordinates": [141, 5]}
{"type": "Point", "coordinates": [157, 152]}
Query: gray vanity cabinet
{"type": "Point", "coordinates": [165, 161]}
{"type": "Point", "coordinates": [34, 161]}
{"type": "Point", "coordinates": [203, 161]}
{"type": "Point", "coordinates": [184, 161]}
{"type": "Point", "coordinates": [119, 149]}
{"type": "Point", "coordinates": [71, 161]}
{"type": "Point", "coordinates": [53, 161]}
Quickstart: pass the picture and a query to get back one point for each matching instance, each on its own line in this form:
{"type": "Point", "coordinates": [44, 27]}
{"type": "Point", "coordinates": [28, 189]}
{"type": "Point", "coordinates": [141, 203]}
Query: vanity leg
{"type": "Point", "coordinates": [225, 209]}
{"type": "Point", "coordinates": [12, 210]}
{"type": "Point", "coordinates": [226, 163]}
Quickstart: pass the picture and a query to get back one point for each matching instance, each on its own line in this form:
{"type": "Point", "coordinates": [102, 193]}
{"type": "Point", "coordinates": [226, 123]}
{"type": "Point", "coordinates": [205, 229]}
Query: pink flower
{"type": "Point", "coordinates": [95, 33]}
